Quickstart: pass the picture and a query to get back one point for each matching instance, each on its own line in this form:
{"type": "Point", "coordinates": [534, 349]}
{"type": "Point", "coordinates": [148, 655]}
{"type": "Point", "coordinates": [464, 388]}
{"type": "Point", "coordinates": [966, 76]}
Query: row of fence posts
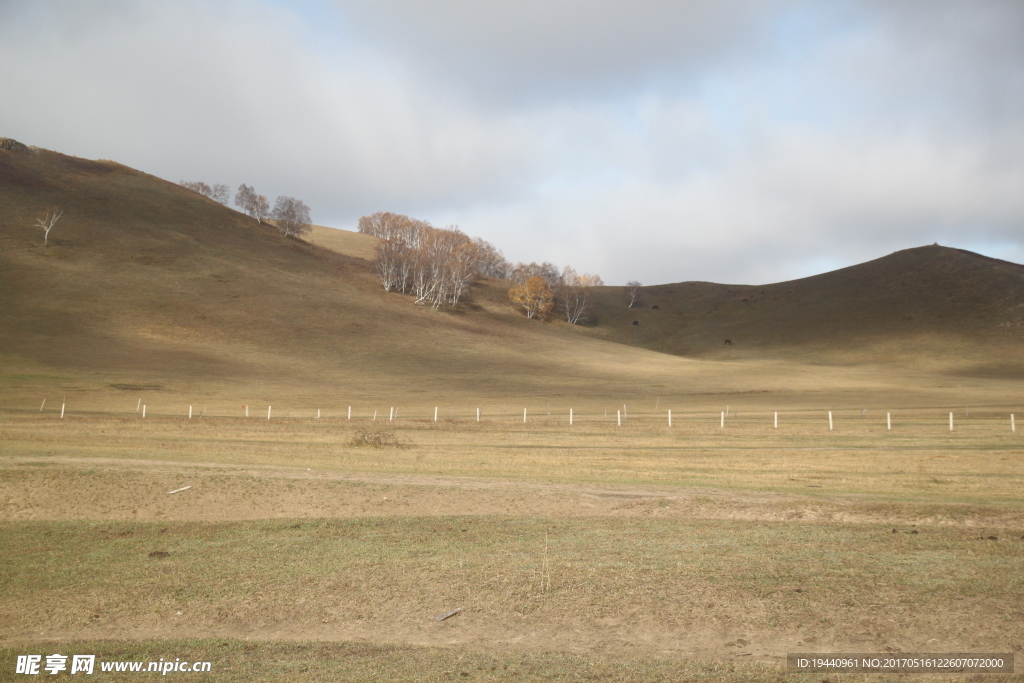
{"type": "Point", "coordinates": [618, 415]}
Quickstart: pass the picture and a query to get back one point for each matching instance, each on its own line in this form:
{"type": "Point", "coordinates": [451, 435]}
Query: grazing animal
{"type": "Point", "coordinates": [655, 308]}
{"type": "Point", "coordinates": [636, 322]}
{"type": "Point", "coordinates": [729, 342]}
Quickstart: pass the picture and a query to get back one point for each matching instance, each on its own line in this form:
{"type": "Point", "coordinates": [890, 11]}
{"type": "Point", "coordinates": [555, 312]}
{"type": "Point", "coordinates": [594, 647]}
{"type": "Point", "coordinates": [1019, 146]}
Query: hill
{"type": "Point", "coordinates": [929, 301]}
{"type": "Point", "coordinates": [147, 284]}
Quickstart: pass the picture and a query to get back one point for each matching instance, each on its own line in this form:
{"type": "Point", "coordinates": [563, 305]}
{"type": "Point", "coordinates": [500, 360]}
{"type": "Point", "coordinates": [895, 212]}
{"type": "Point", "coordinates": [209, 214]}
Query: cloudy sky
{"type": "Point", "coordinates": [736, 141]}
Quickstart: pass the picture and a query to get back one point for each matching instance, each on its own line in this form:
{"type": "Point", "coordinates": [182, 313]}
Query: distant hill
{"type": "Point", "coordinates": [920, 301]}
{"type": "Point", "coordinates": [144, 279]}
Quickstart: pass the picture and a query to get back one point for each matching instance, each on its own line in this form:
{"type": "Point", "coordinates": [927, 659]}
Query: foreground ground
{"type": "Point", "coordinates": [590, 552]}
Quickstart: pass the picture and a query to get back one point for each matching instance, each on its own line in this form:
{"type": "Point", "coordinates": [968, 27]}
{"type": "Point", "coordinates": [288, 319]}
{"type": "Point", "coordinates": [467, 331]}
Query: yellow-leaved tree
{"type": "Point", "coordinates": [534, 295]}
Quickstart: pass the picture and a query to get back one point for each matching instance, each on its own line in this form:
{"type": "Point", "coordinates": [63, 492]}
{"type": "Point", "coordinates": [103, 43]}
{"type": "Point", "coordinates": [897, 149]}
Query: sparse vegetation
{"type": "Point", "coordinates": [365, 438]}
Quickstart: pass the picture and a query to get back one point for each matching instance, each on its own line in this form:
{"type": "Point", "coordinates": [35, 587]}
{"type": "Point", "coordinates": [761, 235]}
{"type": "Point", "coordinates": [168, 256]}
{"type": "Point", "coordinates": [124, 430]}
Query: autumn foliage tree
{"type": "Point", "coordinates": [534, 295]}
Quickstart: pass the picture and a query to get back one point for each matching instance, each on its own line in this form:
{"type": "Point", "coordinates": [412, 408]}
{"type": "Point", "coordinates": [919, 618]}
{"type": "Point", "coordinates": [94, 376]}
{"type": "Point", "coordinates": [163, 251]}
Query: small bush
{"type": "Point", "coordinates": [366, 438]}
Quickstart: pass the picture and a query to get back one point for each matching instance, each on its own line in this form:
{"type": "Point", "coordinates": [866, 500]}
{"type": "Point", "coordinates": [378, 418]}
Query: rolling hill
{"type": "Point", "coordinates": [929, 301]}
{"type": "Point", "coordinates": [146, 283]}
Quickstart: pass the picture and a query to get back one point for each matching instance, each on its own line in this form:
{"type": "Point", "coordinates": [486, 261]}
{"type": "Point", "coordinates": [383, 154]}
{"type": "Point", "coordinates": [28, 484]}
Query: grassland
{"type": "Point", "coordinates": [591, 551]}
{"type": "Point", "coordinates": [641, 552]}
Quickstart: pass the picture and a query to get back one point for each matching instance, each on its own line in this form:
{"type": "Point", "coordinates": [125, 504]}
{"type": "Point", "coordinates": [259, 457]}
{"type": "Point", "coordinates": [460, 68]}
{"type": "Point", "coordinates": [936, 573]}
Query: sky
{"type": "Point", "coordinates": [733, 141]}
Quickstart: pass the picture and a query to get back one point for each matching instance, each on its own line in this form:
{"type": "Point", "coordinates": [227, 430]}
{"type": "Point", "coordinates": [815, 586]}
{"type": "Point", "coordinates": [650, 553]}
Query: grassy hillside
{"type": "Point", "coordinates": [146, 284]}
{"type": "Point", "coordinates": [929, 301]}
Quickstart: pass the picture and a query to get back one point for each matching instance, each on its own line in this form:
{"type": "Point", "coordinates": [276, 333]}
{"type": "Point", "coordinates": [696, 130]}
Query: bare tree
{"type": "Point", "coordinates": [435, 265]}
{"type": "Point", "coordinates": [220, 193]}
{"type": "Point", "coordinates": [47, 222]}
{"type": "Point", "coordinates": [255, 205]}
{"type": "Point", "coordinates": [291, 216]}
{"type": "Point", "coordinates": [574, 294]}
{"type": "Point", "coordinates": [197, 186]}
{"type": "Point", "coordinates": [634, 291]}
{"type": "Point", "coordinates": [490, 261]}
{"type": "Point", "coordinates": [383, 224]}
{"type": "Point", "coordinates": [549, 271]}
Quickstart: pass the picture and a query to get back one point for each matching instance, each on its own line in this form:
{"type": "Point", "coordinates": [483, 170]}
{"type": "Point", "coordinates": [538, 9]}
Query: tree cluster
{"type": "Point", "coordinates": [540, 288]}
{"type": "Point", "coordinates": [290, 215]}
{"type": "Point", "coordinates": [435, 265]}
{"type": "Point", "coordinates": [218, 192]}
{"type": "Point", "coordinates": [255, 205]}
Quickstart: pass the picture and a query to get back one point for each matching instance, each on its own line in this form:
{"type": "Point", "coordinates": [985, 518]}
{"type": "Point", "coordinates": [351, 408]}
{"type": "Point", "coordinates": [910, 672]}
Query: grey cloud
{"type": "Point", "coordinates": [733, 141]}
{"type": "Point", "coordinates": [521, 51]}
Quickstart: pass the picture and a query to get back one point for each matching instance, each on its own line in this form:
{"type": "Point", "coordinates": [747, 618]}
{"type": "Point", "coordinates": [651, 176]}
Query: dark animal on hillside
{"type": "Point", "coordinates": [729, 342]}
{"type": "Point", "coordinates": [636, 322]}
{"type": "Point", "coordinates": [655, 308]}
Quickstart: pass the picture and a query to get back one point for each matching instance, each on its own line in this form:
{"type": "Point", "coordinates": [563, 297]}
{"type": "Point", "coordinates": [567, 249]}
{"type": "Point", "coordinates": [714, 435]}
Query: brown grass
{"type": "Point", "coordinates": [689, 552]}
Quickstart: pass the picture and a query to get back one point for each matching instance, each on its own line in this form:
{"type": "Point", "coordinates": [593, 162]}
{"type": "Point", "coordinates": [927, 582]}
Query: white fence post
{"type": "Point", "coordinates": [138, 405]}
{"type": "Point", "coordinates": [247, 411]}
{"type": "Point", "coordinates": [524, 415]}
{"type": "Point", "coordinates": [776, 419]}
{"type": "Point", "coordinates": [888, 421]}
{"type": "Point", "coordinates": [951, 421]}
{"type": "Point", "coordinates": [42, 406]}
{"type": "Point", "coordinates": [268, 412]}
{"type": "Point", "coordinates": [618, 417]}
{"type": "Point", "coordinates": [830, 420]}
{"type": "Point", "coordinates": [477, 414]}
{"type": "Point", "coordinates": [350, 412]}
{"type": "Point", "coordinates": [190, 412]}
{"type": "Point", "coordinates": [435, 413]}
{"type": "Point", "coordinates": [670, 417]}
{"type": "Point", "coordinates": [391, 415]}
{"type": "Point", "coordinates": [570, 417]}
{"type": "Point", "coordinates": [723, 420]}
{"type": "Point", "coordinates": [63, 403]}
{"type": "Point", "coordinates": [318, 413]}
{"type": "Point", "coordinates": [1013, 427]}
{"type": "Point", "coordinates": [143, 410]}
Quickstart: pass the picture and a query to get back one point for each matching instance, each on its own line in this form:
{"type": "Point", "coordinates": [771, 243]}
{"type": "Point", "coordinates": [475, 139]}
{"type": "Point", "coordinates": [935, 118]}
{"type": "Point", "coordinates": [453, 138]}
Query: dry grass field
{"type": "Point", "coordinates": [323, 548]}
